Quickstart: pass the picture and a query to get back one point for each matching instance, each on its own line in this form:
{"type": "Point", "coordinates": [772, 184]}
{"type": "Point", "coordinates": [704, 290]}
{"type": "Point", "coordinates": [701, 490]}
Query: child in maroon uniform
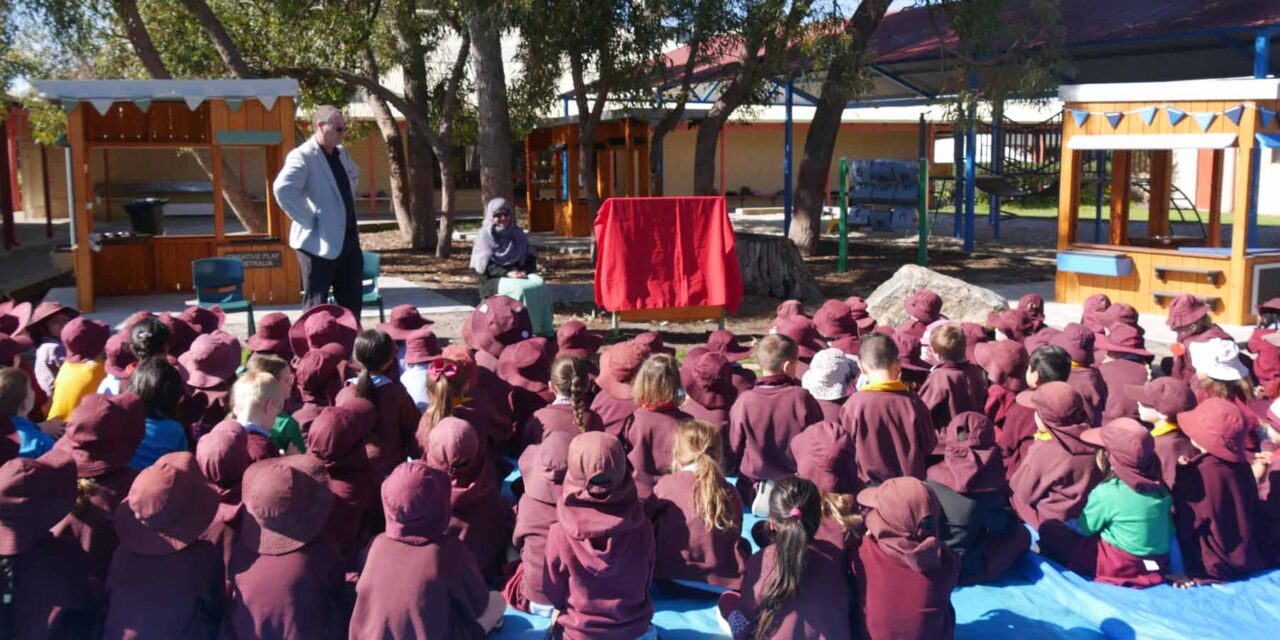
{"type": "Point", "coordinates": [809, 342]}
{"type": "Point", "coordinates": [317, 381]}
{"type": "Point", "coordinates": [765, 419]}
{"type": "Point", "coordinates": [600, 552]}
{"type": "Point", "coordinates": [497, 323]}
{"type": "Point", "coordinates": [542, 468]}
{"type": "Point", "coordinates": [904, 572]}
{"type": "Point", "coordinates": [1032, 306]}
{"type": "Point", "coordinates": [796, 587]}
{"type": "Point", "coordinates": [1055, 476]}
{"type": "Point", "coordinates": [650, 431]}
{"type": "Point", "coordinates": [526, 366]}
{"type": "Point", "coordinates": [1005, 363]}
{"type": "Point", "coordinates": [707, 379]}
{"type": "Point", "coordinates": [1077, 341]}
{"type": "Point", "coordinates": [1047, 364]}
{"type": "Point", "coordinates": [786, 310]}
{"type": "Point", "coordinates": [1123, 533]}
{"type": "Point", "coordinates": [1160, 401]}
{"type": "Point", "coordinates": [392, 437]}
{"type": "Point", "coordinates": [696, 515]}
{"type": "Point", "coordinates": [955, 385]}
{"type": "Point", "coordinates": [336, 439]}
{"type": "Point", "coordinates": [835, 321]}
{"type": "Point", "coordinates": [418, 581]}
{"type": "Point", "coordinates": [1189, 319]}
{"type": "Point", "coordinates": [166, 582]}
{"type": "Point", "coordinates": [1126, 362]}
{"type": "Point", "coordinates": [258, 398]}
{"type": "Point", "coordinates": [211, 365]}
{"type": "Point", "coordinates": [1215, 497]}
{"type": "Point", "coordinates": [825, 456]}
{"type": "Point", "coordinates": [726, 344]}
{"type": "Point", "coordinates": [1264, 344]}
{"type": "Point", "coordinates": [223, 457]}
{"type": "Point", "coordinates": [1219, 373]}
{"type": "Point", "coordinates": [618, 365]}
{"type": "Point", "coordinates": [892, 432]}
{"type": "Point", "coordinates": [830, 381]}
{"type": "Point", "coordinates": [272, 336]}
{"type": "Point", "coordinates": [567, 413]}
{"type": "Point", "coordinates": [924, 307]}
{"type": "Point", "coordinates": [482, 518]}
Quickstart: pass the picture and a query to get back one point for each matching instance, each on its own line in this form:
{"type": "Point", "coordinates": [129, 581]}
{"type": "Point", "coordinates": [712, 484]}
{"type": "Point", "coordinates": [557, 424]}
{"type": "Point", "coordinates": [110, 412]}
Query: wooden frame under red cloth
{"type": "Point", "coordinates": [673, 258]}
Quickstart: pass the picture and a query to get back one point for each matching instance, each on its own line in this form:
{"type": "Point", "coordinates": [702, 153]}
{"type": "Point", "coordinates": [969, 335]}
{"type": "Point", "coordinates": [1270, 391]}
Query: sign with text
{"type": "Point", "coordinates": [259, 259]}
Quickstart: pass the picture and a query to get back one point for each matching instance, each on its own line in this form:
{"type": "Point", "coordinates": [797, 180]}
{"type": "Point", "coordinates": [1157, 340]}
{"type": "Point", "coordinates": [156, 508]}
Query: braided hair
{"type": "Point", "coordinates": [569, 377]}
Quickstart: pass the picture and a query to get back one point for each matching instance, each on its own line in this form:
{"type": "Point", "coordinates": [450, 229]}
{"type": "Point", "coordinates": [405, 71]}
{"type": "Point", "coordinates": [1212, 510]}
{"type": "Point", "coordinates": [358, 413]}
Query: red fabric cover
{"type": "Point", "coordinates": [661, 253]}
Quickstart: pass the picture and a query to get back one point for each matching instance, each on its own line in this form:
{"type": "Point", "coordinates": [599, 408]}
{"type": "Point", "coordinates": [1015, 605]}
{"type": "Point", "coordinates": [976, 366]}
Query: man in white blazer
{"type": "Point", "coordinates": [316, 188]}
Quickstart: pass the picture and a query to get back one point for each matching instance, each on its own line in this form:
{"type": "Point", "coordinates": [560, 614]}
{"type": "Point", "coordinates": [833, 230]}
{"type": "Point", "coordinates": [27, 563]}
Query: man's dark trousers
{"type": "Point", "coordinates": [343, 274]}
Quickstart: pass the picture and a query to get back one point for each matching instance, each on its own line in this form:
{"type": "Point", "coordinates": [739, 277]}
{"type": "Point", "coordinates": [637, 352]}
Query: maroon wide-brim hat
{"type": "Point", "coordinates": [324, 324]}
{"type": "Point", "coordinates": [574, 339]}
{"type": "Point", "coordinates": [404, 320]}
{"type": "Point", "coordinates": [618, 365]}
{"type": "Point", "coordinates": [834, 320]}
{"type": "Point", "coordinates": [286, 501]}
{"type": "Point", "coordinates": [805, 334]}
{"type": "Point", "coordinates": [527, 364]}
{"type": "Point", "coordinates": [104, 432]}
{"type": "Point", "coordinates": [119, 355]}
{"type": "Point", "coordinates": [181, 332]}
{"type": "Point", "coordinates": [12, 323]}
{"type": "Point", "coordinates": [1122, 338]}
{"type": "Point", "coordinates": [272, 335]}
{"type": "Point", "coordinates": [169, 505]}
{"type": "Point", "coordinates": [726, 344]}
{"type": "Point", "coordinates": [706, 378]}
{"type": "Point", "coordinates": [212, 360]}
{"type": "Point", "coordinates": [909, 352]}
{"type": "Point", "coordinates": [652, 340]}
{"type": "Point", "coordinates": [421, 346]}
{"type": "Point", "coordinates": [35, 495]}
{"type": "Point", "coordinates": [85, 339]}
{"type": "Point", "coordinates": [204, 319]}
{"type": "Point", "coordinates": [1185, 310]}
{"type": "Point", "coordinates": [44, 311]}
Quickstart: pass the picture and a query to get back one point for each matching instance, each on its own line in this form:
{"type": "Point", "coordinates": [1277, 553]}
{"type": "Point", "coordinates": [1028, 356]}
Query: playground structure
{"type": "Point", "coordinates": [212, 115]}
{"type": "Point", "coordinates": [1129, 123]}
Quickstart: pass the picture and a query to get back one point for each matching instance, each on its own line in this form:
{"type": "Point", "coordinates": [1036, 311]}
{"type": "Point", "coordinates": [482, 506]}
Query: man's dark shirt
{"type": "Point", "coordinates": [344, 187]}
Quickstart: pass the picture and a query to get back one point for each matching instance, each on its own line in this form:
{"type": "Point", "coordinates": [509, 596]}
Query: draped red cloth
{"type": "Point", "coordinates": [660, 253]}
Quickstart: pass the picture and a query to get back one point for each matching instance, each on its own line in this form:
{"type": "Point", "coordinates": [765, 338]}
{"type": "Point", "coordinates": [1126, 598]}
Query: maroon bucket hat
{"type": "Point", "coordinates": [1056, 403]}
{"type": "Point", "coordinates": [415, 498]}
{"type": "Point", "coordinates": [1132, 452]}
{"type": "Point", "coordinates": [324, 324]}
{"type": "Point", "coordinates": [1185, 310]}
{"type": "Point", "coordinates": [42, 312]}
{"type": "Point", "coordinates": [924, 305]}
{"type": "Point", "coordinates": [835, 320]}
{"type": "Point", "coordinates": [212, 360]}
{"type": "Point", "coordinates": [183, 334]}
{"type": "Point", "coordinates": [272, 335]}
{"type": "Point", "coordinates": [286, 502]}
{"type": "Point", "coordinates": [1217, 425]}
{"type": "Point", "coordinates": [618, 365]}
{"type": "Point", "coordinates": [85, 339]}
{"type": "Point", "coordinates": [574, 339]}
{"type": "Point", "coordinates": [1078, 341]}
{"type": "Point", "coordinates": [527, 364]}
{"type": "Point", "coordinates": [1040, 338]}
{"type": "Point", "coordinates": [1123, 338]}
{"type": "Point", "coordinates": [35, 495]}
{"type": "Point", "coordinates": [316, 372]}
{"type": "Point", "coordinates": [1001, 359]}
{"type": "Point", "coordinates": [340, 431]}
{"type": "Point", "coordinates": [708, 380]}
{"type": "Point", "coordinates": [119, 355]}
{"type": "Point", "coordinates": [223, 456]}
{"type": "Point", "coordinates": [824, 456]}
{"type": "Point", "coordinates": [421, 346]}
{"type": "Point", "coordinates": [909, 352]}
{"type": "Point", "coordinates": [104, 432]}
{"type": "Point", "coordinates": [405, 319]}
{"type": "Point", "coordinates": [1272, 305]}
{"type": "Point", "coordinates": [726, 344]}
{"type": "Point", "coordinates": [1032, 305]}
{"type": "Point", "coordinates": [544, 465]}
{"type": "Point", "coordinates": [652, 340]}
{"type": "Point", "coordinates": [805, 334]}
{"type": "Point", "coordinates": [169, 505]}
{"type": "Point", "coordinates": [13, 321]}
{"type": "Point", "coordinates": [204, 319]}
{"type": "Point", "coordinates": [1169, 396]}
{"type": "Point", "coordinates": [1120, 313]}
{"type": "Point", "coordinates": [499, 321]}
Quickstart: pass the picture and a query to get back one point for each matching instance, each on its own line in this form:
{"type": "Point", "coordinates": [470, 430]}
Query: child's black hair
{"type": "Point", "coordinates": [149, 337]}
{"type": "Point", "coordinates": [1051, 364]}
{"type": "Point", "coordinates": [795, 510]}
{"type": "Point", "coordinates": [374, 350]}
{"type": "Point", "coordinates": [159, 385]}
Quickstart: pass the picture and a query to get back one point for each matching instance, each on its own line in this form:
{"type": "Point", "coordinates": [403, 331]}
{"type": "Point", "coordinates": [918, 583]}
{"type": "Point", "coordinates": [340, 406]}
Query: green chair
{"type": "Point", "coordinates": [370, 295]}
{"type": "Point", "coordinates": [220, 281]}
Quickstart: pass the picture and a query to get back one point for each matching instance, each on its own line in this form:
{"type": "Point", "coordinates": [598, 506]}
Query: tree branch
{"type": "Point", "coordinates": [226, 48]}
{"type": "Point", "coordinates": [412, 115]}
{"type": "Point", "coordinates": [456, 75]}
{"type": "Point", "coordinates": [138, 36]}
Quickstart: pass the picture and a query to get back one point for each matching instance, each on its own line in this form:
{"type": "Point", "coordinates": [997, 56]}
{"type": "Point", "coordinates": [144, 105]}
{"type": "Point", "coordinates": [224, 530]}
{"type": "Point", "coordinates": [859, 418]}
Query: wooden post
{"type": "Point", "coordinates": [1215, 199]}
{"type": "Point", "coordinates": [642, 152]}
{"type": "Point", "coordinates": [47, 197]}
{"type": "Point", "coordinates": [1068, 197]}
{"type": "Point", "coordinates": [628, 159]}
{"type": "Point", "coordinates": [1161, 193]}
{"type": "Point", "coordinates": [1120, 169]}
{"type": "Point", "coordinates": [1237, 311]}
{"type": "Point", "coordinates": [106, 181]}
{"type": "Point", "coordinates": [83, 213]}
{"type": "Point", "coordinates": [218, 122]}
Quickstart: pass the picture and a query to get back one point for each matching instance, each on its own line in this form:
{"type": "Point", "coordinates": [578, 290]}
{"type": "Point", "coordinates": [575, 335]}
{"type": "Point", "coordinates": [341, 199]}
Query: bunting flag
{"type": "Point", "coordinates": [193, 102]}
{"type": "Point", "coordinates": [1080, 116]}
{"type": "Point", "coordinates": [69, 105]}
{"type": "Point", "coordinates": [1175, 115]}
{"type": "Point", "coordinates": [1268, 117]}
{"type": "Point", "coordinates": [1205, 120]}
{"type": "Point", "coordinates": [267, 101]}
{"type": "Point", "coordinates": [1114, 118]}
{"type": "Point", "coordinates": [1148, 114]}
{"type": "Point", "coordinates": [101, 105]}
{"type": "Point", "coordinates": [234, 104]}
{"type": "Point", "coordinates": [1233, 114]}
{"type": "Point", "coordinates": [142, 103]}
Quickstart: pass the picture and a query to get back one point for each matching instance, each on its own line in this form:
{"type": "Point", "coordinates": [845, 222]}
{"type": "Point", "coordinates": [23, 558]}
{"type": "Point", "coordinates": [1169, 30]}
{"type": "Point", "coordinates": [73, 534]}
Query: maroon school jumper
{"type": "Point", "coordinates": [1001, 400]}
{"type": "Point", "coordinates": [951, 389]}
{"type": "Point", "coordinates": [1088, 382]}
{"type": "Point", "coordinates": [543, 467]}
{"type": "Point", "coordinates": [94, 527]}
{"type": "Point", "coordinates": [831, 409]}
{"type": "Point", "coordinates": [892, 434]}
{"type": "Point", "coordinates": [174, 595]}
{"type": "Point", "coordinates": [743, 378]}
{"type": "Point", "coordinates": [223, 458]}
{"type": "Point", "coordinates": [1266, 361]}
{"type": "Point", "coordinates": [260, 446]}
{"type": "Point", "coordinates": [897, 602]}
{"type": "Point", "coordinates": [481, 517]}
{"type": "Point", "coordinates": [297, 594]}
{"type": "Point", "coordinates": [651, 435]}
{"type": "Point", "coordinates": [558, 417]}
{"type": "Point", "coordinates": [418, 581]}
{"type": "Point", "coordinates": [823, 604]}
{"type": "Point", "coordinates": [524, 403]}
{"type": "Point", "coordinates": [1169, 447]}
{"type": "Point", "coordinates": [392, 437]}
{"type": "Point", "coordinates": [494, 393]}
{"type": "Point", "coordinates": [687, 550]}
{"type": "Point", "coordinates": [718, 416]}
{"type": "Point", "coordinates": [1055, 476]}
{"type": "Point", "coordinates": [600, 552]}
{"type": "Point", "coordinates": [336, 441]}
{"type": "Point", "coordinates": [1016, 436]}
{"type": "Point", "coordinates": [204, 408]}
{"type": "Point", "coordinates": [613, 412]}
{"type": "Point", "coordinates": [762, 423]}
{"type": "Point", "coordinates": [1214, 502]}
{"type": "Point", "coordinates": [1116, 374]}
{"type": "Point", "coordinates": [51, 592]}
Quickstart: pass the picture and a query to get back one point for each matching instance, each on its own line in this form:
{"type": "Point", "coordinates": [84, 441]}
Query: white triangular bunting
{"type": "Point", "coordinates": [267, 101]}
{"type": "Point", "coordinates": [101, 105]}
{"type": "Point", "coordinates": [193, 102]}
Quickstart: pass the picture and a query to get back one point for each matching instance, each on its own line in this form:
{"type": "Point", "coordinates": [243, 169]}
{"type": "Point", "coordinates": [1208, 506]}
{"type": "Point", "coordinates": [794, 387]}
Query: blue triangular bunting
{"type": "Point", "coordinates": [1204, 120]}
{"type": "Point", "coordinates": [1148, 115]}
{"type": "Point", "coordinates": [1080, 116]}
{"type": "Point", "coordinates": [1233, 114]}
{"type": "Point", "coordinates": [233, 104]}
{"type": "Point", "coordinates": [1114, 118]}
{"type": "Point", "coordinates": [1268, 117]}
{"type": "Point", "coordinates": [1175, 115]}
{"type": "Point", "coordinates": [142, 103]}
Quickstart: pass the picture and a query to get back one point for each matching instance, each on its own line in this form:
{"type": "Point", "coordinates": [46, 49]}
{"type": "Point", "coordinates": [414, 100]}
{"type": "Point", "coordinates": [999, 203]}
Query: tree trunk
{"type": "Point", "coordinates": [656, 148]}
{"type": "Point", "coordinates": [495, 143]}
{"type": "Point", "coordinates": [704, 154]}
{"type": "Point", "coordinates": [448, 194]}
{"type": "Point", "coordinates": [587, 162]}
{"type": "Point", "coordinates": [140, 39]}
{"type": "Point", "coordinates": [422, 206]}
{"type": "Point", "coordinates": [397, 173]}
{"type": "Point", "coordinates": [820, 142]}
{"type": "Point", "coordinates": [772, 267]}
{"type": "Point", "coordinates": [241, 203]}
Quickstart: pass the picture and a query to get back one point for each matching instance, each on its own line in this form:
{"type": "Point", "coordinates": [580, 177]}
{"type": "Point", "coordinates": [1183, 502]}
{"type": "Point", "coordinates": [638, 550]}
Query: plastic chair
{"type": "Point", "coordinates": [370, 294]}
{"type": "Point", "coordinates": [220, 281]}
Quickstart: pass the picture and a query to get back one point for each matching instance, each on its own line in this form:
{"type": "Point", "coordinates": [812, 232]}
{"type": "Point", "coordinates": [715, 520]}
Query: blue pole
{"type": "Point", "coordinates": [970, 168]}
{"type": "Point", "coordinates": [997, 165]}
{"type": "Point", "coordinates": [565, 106]}
{"type": "Point", "coordinates": [786, 163]}
{"type": "Point", "coordinates": [1261, 54]}
{"type": "Point", "coordinates": [958, 157]}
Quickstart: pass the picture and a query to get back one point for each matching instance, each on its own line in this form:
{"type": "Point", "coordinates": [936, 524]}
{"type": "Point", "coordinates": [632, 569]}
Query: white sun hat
{"type": "Point", "coordinates": [829, 375]}
{"type": "Point", "coordinates": [1218, 358]}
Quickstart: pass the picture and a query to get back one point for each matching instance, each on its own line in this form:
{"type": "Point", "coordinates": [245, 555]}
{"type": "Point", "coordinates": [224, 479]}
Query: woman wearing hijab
{"type": "Point", "coordinates": [506, 264]}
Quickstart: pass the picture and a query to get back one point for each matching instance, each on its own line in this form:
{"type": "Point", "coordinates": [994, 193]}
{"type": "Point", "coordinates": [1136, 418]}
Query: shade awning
{"type": "Point", "coordinates": [1154, 141]}
{"type": "Point", "coordinates": [1268, 140]}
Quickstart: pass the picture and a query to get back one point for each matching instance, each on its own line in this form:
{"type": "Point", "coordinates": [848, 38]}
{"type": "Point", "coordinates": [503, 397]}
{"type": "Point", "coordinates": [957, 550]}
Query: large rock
{"type": "Point", "coordinates": [961, 301]}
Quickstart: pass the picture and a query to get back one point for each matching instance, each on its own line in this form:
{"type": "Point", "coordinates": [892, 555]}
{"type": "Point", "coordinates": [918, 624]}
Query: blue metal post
{"type": "Point", "coordinates": [1255, 159]}
{"type": "Point", "coordinates": [565, 105]}
{"type": "Point", "coordinates": [1100, 172]}
{"type": "Point", "coordinates": [970, 168]}
{"type": "Point", "coordinates": [1262, 54]}
{"type": "Point", "coordinates": [786, 163]}
{"type": "Point", "coordinates": [957, 158]}
{"type": "Point", "coordinates": [997, 165]}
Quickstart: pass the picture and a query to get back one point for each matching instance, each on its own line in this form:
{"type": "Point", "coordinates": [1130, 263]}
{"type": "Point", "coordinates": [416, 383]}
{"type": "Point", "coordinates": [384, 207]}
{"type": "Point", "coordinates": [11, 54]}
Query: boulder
{"type": "Point", "coordinates": [961, 301]}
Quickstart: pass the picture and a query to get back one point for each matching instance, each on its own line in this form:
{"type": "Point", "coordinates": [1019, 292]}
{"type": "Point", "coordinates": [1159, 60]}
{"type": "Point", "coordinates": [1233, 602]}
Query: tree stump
{"type": "Point", "coordinates": [772, 266]}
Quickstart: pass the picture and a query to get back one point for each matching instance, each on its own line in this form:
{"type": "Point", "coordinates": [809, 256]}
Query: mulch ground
{"type": "Point", "coordinates": [871, 262]}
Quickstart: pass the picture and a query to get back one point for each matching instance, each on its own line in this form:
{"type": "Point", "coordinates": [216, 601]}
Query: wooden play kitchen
{"type": "Point", "coordinates": [213, 115]}
{"type": "Point", "coordinates": [1128, 128]}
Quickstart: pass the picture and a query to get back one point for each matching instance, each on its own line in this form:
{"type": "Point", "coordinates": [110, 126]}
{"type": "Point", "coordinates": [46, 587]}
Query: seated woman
{"type": "Point", "coordinates": [506, 264]}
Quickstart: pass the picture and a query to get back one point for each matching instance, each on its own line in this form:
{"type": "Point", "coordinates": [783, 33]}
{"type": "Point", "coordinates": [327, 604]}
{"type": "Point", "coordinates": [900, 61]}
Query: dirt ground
{"type": "Point", "coordinates": [871, 262]}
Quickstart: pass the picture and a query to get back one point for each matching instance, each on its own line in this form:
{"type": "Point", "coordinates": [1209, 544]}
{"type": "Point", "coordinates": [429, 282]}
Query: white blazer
{"type": "Point", "coordinates": [309, 195]}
